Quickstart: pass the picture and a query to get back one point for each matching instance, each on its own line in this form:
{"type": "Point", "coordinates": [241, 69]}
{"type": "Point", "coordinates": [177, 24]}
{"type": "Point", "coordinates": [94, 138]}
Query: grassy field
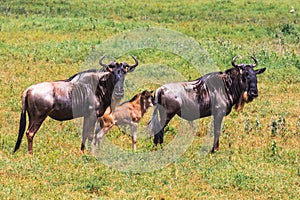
{"type": "Point", "coordinates": [259, 156]}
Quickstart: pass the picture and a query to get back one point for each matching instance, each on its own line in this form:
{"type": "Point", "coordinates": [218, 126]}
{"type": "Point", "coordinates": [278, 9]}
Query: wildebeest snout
{"type": "Point", "coordinates": [253, 93]}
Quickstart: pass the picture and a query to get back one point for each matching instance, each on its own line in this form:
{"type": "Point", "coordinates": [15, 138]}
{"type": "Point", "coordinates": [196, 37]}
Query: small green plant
{"type": "Point", "coordinates": [241, 180]}
{"type": "Point", "coordinates": [248, 126]}
{"type": "Point", "coordinates": [274, 149]}
{"type": "Point", "coordinates": [95, 185]}
{"type": "Point", "coordinates": [287, 29]}
{"type": "Point", "coordinates": [258, 125]}
{"type": "Point", "coordinates": [278, 126]}
{"type": "Point", "coordinates": [170, 129]}
{"type": "Point", "coordinates": [274, 127]}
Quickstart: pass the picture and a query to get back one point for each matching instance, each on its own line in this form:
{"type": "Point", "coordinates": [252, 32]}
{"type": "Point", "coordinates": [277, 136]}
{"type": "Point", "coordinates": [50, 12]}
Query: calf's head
{"type": "Point", "coordinates": [147, 99]}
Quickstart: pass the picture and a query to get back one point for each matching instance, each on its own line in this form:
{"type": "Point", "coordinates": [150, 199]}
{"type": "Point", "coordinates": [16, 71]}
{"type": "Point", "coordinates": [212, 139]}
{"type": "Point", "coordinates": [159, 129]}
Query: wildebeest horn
{"type": "Point", "coordinates": [135, 64]}
{"type": "Point", "coordinates": [256, 63]}
{"type": "Point", "coordinates": [102, 64]}
{"type": "Point", "coordinates": [235, 65]}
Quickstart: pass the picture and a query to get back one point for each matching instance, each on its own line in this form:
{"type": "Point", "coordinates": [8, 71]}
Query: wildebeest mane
{"type": "Point", "coordinates": [234, 86]}
{"type": "Point", "coordinates": [134, 98]}
{"type": "Point", "coordinates": [86, 87]}
{"type": "Point", "coordinates": [131, 100]}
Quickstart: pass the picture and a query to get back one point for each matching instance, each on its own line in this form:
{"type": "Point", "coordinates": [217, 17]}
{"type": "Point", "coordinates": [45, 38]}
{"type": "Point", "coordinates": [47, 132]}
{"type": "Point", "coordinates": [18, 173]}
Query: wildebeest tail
{"type": "Point", "coordinates": [154, 126]}
{"type": "Point", "coordinates": [22, 121]}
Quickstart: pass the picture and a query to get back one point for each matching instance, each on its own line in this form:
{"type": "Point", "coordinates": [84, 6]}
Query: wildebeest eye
{"type": "Point", "coordinates": [119, 72]}
{"type": "Point", "coordinates": [247, 73]}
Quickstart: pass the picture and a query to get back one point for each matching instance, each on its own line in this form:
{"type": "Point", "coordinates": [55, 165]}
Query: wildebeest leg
{"type": "Point", "coordinates": [217, 128]}
{"type": "Point", "coordinates": [133, 129]}
{"type": "Point", "coordinates": [33, 127]}
{"type": "Point", "coordinates": [88, 130]}
{"type": "Point", "coordinates": [98, 129]}
{"type": "Point", "coordinates": [164, 121]}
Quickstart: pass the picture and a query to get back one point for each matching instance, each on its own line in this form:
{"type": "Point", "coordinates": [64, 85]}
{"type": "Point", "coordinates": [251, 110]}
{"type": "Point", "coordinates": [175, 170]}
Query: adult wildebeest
{"type": "Point", "coordinates": [213, 94]}
{"type": "Point", "coordinates": [86, 94]}
{"type": "Point", "coordinates": [127, 113]}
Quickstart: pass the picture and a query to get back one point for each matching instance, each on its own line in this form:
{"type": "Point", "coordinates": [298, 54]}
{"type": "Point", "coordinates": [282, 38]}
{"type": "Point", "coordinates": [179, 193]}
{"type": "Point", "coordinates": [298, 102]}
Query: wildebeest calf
{"type": "Point", "coordinates": [128, 113]}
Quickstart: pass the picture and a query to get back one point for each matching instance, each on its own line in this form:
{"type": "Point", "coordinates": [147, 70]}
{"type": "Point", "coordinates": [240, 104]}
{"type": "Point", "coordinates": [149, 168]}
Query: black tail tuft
{"type": "Point", "coordinates": [22, 123]}
{"type": "Point", "coordinates": [154, 126]}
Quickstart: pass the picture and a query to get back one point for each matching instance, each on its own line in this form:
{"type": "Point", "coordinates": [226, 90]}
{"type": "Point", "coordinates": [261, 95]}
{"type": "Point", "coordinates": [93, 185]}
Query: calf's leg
{"type": "Point", "coordinates": [100, 135]}
{"type": "Point", "coordinates": [133, 130]}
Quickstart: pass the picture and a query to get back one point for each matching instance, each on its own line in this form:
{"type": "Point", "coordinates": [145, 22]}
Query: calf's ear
{"type": "Point", "coordinates": [259, 71]}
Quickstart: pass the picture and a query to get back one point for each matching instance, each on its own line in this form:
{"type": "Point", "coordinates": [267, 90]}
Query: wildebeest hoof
{"type": "Point", "coordinates": [214, 150]}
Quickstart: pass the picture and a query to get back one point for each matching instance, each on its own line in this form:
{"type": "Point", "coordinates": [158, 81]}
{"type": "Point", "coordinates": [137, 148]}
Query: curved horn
{"type": "Point", "coordinates": [233, 62]}
{"type": "Point", "coordinates": [135, 64]}
{"type": "Point", "coordinates": [256, 63]}
{"type": "Point", "coordinates": [102, 64]}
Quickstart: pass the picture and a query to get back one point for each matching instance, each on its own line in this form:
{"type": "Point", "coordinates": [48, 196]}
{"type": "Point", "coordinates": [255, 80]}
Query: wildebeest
{"type": "Point", "coordinates": [86, 94]}
{"type": "Point", "coordinates": [212, 94]}
{"type": "Point", "coordinates": [127, 113]}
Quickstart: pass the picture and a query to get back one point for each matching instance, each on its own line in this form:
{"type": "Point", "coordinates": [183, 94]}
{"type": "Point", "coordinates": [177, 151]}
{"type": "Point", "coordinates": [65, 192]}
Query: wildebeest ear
{"type": "Point", "coordinates": [241, 70]}
{"type": "Point", "coordinates": [143, 93]}
{"type": "Point", "coordinates": [127, 67]}
{"type": "Point", "coordinates": [130, 69]}
{"type": "Point", "coordinates": [259, 71]}
{"type": "Point", "coordinates": [109, 69]}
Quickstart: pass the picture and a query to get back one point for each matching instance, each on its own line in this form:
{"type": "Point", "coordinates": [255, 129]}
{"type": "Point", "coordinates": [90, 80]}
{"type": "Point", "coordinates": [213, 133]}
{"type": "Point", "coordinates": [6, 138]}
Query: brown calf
{"type": "Point", "coordinates": [127, 113]}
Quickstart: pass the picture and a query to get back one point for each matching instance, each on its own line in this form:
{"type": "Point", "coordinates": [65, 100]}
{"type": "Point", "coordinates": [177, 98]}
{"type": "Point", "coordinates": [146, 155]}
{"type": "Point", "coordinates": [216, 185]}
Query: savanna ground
{"type": "Point", "coordinates": [259, 147]}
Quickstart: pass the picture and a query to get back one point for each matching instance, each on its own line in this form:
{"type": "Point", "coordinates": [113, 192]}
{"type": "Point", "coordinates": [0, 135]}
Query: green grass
{"type": "Point", "coordinates": [259, 150]}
